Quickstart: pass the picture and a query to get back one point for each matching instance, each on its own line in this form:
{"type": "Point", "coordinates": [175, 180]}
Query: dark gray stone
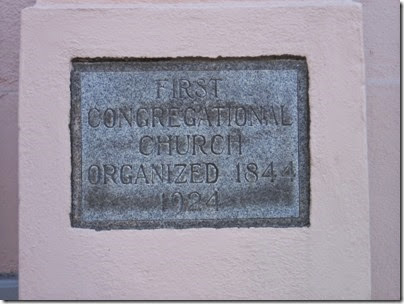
{"type": "Point", "coordinates": [8, 287]}
{"type": "Point", "coordinates": [191, 142]}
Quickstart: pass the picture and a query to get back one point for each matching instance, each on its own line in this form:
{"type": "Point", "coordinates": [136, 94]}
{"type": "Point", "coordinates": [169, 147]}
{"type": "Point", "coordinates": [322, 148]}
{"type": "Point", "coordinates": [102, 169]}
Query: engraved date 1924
{"type": "Point", "coordinates": [189, 202]}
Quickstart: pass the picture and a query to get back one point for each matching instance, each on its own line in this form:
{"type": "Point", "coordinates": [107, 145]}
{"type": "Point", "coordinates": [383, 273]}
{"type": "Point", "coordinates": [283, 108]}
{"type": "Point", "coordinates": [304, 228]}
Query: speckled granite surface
{"type": "Point", "coordinates": [191, 142]}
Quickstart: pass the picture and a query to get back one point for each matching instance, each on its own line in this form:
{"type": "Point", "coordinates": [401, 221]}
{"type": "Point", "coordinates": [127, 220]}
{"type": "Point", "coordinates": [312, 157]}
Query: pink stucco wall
{"type": "Point", "coordinates": [382, 54]}
{"type": "Point", "coordinates": [381, 38]}
{"type": "Point", "coordinates": [9, 58]}
{"type": "Point", "coordinates": [328, 260]}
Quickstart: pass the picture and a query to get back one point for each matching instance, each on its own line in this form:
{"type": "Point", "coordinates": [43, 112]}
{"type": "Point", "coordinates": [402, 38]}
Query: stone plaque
{"type": "Point", "coordinates": [183, 143]}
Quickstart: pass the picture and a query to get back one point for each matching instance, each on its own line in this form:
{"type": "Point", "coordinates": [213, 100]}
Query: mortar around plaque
{"type": "Point", "coordinates": [190, 143]}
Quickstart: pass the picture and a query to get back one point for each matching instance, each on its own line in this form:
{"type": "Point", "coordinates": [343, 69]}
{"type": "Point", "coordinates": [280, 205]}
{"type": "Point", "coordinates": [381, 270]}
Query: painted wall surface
{"type": "Point", "coordinates": [328, 260]}
{"type": "Point", "coordinates": [381, 39]}
{"type": "Point", "coordinates": [382, 53]}
{"type": "Point", "coordinates": [9, 58]}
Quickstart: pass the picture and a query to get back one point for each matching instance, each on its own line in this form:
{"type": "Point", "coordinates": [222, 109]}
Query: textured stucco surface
{"type": "Point", "coordinates": [9, 58]}
{"type": "Point", "coordinates": [381, 21]}
{"type": "Point", "coordinates": [328, 260]}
